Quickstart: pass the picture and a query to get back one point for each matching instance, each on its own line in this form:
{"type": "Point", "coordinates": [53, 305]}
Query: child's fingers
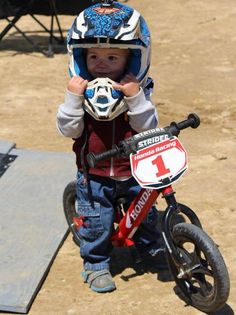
{"type": "Point", "coordinates": [77, 85]}
{"type": "Point", "coordinates": [129, 77]}
{"type": "Point", "coordinates": [78, 80]}
{"type": "Point", "coordinates": [117, 86]}
{"type": "Point", "coordinates": [84, 83]}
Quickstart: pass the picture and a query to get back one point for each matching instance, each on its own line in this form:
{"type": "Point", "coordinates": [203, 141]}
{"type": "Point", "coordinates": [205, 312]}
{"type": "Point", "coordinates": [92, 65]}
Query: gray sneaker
{"type": "Point", "coordinates": [99, 281]}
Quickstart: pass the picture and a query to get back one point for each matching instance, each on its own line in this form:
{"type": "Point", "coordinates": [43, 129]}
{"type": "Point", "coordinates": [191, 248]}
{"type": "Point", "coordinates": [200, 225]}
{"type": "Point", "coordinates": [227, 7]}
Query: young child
{"type": "Point", "coordinates": [107, 41]}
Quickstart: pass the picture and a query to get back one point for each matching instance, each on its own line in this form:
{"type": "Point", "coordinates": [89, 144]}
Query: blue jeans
{"type": "Point", "coordinates": [95, 206]}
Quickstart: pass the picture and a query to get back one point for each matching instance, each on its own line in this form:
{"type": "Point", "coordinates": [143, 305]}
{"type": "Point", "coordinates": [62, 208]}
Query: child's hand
{"type": "Point", "coordinates": [129, 85]}
{"type": "Point", "coordinates": [77, 85]}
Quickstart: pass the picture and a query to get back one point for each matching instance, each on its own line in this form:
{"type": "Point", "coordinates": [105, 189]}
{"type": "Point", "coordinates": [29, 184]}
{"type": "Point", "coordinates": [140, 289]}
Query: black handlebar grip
{"type": "Point", "coordinates": [192, 121]}
{"type": "Point", "coordinates": [93, 158]}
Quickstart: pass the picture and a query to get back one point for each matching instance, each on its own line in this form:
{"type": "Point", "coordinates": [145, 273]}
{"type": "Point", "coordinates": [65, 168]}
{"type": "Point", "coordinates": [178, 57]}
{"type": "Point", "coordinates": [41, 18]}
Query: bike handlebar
{"type": "Point", "coordinates": [192, 121]}
{"type": "Point", "coordinates": [130, 145]}
{"type": "Point", "coordinates": [93, 158]}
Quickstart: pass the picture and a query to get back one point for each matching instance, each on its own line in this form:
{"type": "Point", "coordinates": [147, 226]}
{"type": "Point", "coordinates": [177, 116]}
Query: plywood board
{"type": "Point", "coordinates": [32, 224]}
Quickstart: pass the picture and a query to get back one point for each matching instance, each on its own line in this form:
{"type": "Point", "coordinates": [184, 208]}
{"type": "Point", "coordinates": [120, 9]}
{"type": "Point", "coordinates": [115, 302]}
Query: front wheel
{"type": "Point", "coordinates": [203, 278]}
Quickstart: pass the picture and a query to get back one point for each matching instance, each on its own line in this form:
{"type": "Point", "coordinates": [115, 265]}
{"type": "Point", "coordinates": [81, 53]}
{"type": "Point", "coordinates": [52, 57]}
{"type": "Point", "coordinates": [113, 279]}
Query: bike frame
{"type": "Point", "coordinates": [137, 211]}
{"type": "Point", "coordinates": [133, 217]}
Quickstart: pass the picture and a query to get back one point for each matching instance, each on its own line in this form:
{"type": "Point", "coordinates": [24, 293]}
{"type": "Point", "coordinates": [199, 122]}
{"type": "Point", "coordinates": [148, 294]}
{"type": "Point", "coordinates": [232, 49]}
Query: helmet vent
{"type": "Point", "coordinates": [102, 100]}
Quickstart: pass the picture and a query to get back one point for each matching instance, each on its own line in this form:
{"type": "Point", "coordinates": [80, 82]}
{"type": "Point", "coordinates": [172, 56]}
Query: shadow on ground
{"type": "Point", "coordinates": [122, 258]}
{"type": "Point", "coordinates": [35, 42]}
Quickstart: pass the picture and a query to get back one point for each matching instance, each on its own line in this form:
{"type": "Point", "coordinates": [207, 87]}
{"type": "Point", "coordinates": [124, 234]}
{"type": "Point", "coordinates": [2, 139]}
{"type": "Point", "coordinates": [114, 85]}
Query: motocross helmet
{"type": "Point", "coordinates": [110, 24]}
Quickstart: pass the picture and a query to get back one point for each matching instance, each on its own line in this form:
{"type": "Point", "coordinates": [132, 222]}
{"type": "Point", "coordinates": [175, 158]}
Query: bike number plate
{"type": "Point", "coordinates": [159, 164]}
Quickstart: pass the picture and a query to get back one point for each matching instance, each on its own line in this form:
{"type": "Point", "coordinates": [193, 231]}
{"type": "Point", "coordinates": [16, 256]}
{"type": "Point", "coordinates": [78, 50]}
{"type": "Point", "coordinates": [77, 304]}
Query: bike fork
{"type": "Point", "coordinates": [172, 208]}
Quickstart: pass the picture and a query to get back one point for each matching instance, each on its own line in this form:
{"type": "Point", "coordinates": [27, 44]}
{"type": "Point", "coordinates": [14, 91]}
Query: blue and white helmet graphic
{"type": "Point", "coordinates": [102, 102]}
{"type": "Point", "coordinates": [113, 26]}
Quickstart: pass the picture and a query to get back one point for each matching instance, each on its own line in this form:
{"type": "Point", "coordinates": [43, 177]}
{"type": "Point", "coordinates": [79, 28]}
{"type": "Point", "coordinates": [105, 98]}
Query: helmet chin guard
{"type": "Point", "coordinates": [102, 102]}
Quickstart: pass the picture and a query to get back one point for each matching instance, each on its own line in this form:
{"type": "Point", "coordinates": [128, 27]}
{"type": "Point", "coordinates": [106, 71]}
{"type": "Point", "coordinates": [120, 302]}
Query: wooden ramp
{"type": "Point", "coordinates": [32, 223]}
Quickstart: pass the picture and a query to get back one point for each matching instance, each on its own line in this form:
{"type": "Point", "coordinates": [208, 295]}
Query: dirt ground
{"type": "Point", "coordinates": [194, 67]}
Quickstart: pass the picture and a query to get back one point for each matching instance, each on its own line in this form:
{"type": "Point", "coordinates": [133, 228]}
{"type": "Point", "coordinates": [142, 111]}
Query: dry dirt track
{"type": "Point", "coordinates": [194, 67]}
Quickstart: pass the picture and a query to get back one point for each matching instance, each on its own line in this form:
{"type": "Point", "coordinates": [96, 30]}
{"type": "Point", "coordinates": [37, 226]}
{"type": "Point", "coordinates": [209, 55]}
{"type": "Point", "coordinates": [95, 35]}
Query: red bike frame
{"type": "Point", "coordinates": [135, 214]}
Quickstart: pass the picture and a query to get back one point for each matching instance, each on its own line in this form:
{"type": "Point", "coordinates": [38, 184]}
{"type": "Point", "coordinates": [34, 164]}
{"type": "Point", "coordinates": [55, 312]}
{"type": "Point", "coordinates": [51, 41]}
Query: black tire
{"type": "Point", "coordinates": [205, 285]}
{"type": "Point", "coordinates": [69, 206]}
{"type": "Point", "coordinates": [189, 215]}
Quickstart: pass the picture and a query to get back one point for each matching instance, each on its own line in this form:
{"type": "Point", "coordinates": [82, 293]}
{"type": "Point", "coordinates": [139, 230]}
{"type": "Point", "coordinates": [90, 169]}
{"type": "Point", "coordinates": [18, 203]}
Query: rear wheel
{"type": "Point", "coordinates": [203, 280]}
{"type": "Point", "coordinates": [69, 205]}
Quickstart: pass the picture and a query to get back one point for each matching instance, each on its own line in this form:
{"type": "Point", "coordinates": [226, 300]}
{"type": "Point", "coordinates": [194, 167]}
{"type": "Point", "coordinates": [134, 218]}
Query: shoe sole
{"type": "Point", "coordinates": [109, 288]}
{"type": "Point", "coordinates": [103, 290]}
